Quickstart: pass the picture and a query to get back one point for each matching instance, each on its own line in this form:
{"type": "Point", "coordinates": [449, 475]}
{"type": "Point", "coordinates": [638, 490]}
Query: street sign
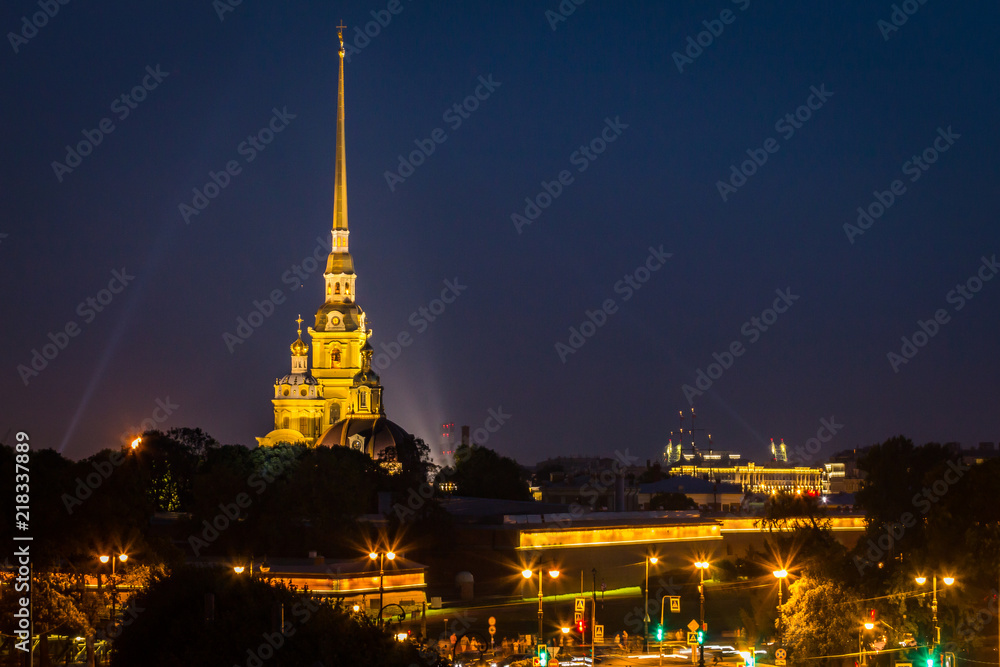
{"type": "Point", "coordinates": [492, 621]}
{"type": "Point", "coordinates": [581, 604]}
{"type": "Point", "coordinates": [781, 654]}
{"type": "Point", "coordinates": [493, 629]}
{"type": "Point", "coordinates": [577, 616]}
{"type": "Point", "coordinates": [692, 639]}
{"type": "Point", "coordinates": [779, 662]}
{"type": "Point", "coordinates": [675, 604]}
{"type": "Point", "coordinates": [598, 633]}
{"type": "Point", "coordinates": [904, 664]}
{"type": "Point", "coordinates": [693, 625]}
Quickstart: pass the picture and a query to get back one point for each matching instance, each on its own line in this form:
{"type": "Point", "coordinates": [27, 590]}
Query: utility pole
{"type": "Point", "coordinates": [593, 617]}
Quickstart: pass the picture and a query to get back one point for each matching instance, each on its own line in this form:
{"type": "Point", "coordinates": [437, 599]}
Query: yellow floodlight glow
{"type": "Point", "coordinates": [565, 630]}
{"type": "Point", "coordinates": [553, 573]}
{"type": "Point", "coordinates": [373, 555]}
{"type": "Point", "coordinates": [123, 557]}
{"type": "Point", "coordinates": [921, 580]}
{"type": "Point", "coordinates": [948, 581]}
{"type": "Point", "coordinates": [653, 559]}
{"type": "Point", "coordinates": [238, 569]}
{"type": "Point", "coordinates": [869, 626]}
{"type": "Point", "coordinates": [526, 574]}
{"type": "Point", "coordinates": [104, 559]}
{"type": "Point", "coordinates": [390, 556]}
{"type": "Point", "coordinates": [780, 574]}
{"type": "Point", "coordinates": [135, 443]}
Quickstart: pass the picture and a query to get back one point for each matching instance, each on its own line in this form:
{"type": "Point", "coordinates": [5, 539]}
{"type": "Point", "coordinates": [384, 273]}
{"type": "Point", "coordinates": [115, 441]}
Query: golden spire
{"type": "Point", "coordinates": [340, 177]}
{"type": "Point", "coordinates": [299, 349]}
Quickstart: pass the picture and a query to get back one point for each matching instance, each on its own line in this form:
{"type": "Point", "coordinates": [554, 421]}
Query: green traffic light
{"type": "Point", "coordinates": [659, 633]}
{"type": "Point", "coordinates": [701, 637]}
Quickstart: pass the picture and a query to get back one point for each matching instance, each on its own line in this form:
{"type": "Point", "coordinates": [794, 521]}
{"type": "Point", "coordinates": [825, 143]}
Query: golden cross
{"type": "Point", "coordinates": [340, 32]}
{"type": "Point", "coordinates": [299, 320]}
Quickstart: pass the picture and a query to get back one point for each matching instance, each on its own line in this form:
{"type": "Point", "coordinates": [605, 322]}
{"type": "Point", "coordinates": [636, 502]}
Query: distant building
{"type": "Point", "coordinates": [717, 496]}
{"type": "Point", "coordinates": [754, 477]}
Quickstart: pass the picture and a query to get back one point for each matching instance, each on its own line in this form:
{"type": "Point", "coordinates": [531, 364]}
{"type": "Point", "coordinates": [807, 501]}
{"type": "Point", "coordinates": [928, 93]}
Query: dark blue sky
{"type": "Point", "coordinates": [219, 81]}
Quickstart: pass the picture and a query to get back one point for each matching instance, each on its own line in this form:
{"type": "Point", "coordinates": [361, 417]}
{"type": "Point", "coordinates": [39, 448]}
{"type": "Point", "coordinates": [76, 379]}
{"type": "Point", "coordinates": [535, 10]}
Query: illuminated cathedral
{"type": "Point", "coordinates": [336, 400]}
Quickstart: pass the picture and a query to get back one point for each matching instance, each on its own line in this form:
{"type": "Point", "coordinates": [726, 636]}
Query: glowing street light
{"type": "Point", "coordinates": [136, 442]}
{"type": "Point", "coordinates": [381, 556]}
{"type": "Point", "coordinates": [780, 575]}
{"type": "Point", "coordinates": [645, 618]}
{"type": "Point", "coordinates": [702, 566]}
{"type": "Point", "coordinates": [937, 629]}
{"type": "Point", "coordinates": [527, 574]}
{"type": "Point", "coordinates": [238, 569]}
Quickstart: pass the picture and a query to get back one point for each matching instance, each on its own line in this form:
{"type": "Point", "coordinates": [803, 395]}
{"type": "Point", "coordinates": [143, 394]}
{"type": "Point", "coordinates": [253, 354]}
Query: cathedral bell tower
{"type": "Point", "coordinates": [336, 399]}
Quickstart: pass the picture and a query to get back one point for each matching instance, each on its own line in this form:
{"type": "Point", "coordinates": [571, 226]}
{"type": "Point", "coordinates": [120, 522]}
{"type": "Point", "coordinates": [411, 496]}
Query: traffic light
{"type": "Point", "coordinates": [581, 626]}
{"type": "Point", "coordinates": [701, 637]}
{"type": "Point", "coordinates": [659, 633]}
{"type": "Point", "coordinates": [752, 659]}
{"type": "Point", "coordinates": [543, 655]}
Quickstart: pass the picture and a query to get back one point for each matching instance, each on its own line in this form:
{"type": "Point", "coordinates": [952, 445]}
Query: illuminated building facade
{"type": "Point", "coordinates": [336, 400]}
{"type": "Point", "coordinates": [760, 478]}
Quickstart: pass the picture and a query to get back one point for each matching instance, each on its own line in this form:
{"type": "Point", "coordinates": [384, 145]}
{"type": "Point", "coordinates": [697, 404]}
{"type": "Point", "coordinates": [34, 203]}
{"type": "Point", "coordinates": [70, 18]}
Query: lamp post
{"type": "Point", "coordinates": [114, 588]}
{"type": "Point", "coordinates": [645, 618]}
{"type": "Point", "coordinates": [380, 556]}
{"type": "Point", "coordinates": [781, 575]}
{"type": "Point", "coordinates": [948, 581]}
{"type": "Point", "coordinates": [527, 574]}
{"type": "Point", "coordinates": [702, 566]}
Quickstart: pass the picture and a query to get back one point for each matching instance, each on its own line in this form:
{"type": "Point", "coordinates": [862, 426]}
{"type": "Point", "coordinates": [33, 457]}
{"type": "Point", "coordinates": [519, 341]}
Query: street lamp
{"type": "Point", "coordinates": [381, 556]}
{"type": "Point", "coordinates": [527, 574]}
{"type": "Point", "coordinates": [114, 588]}
{"type": "Point", "coordinates": [238, 569]}
{"type": "Point", "coordinates": [702, 566]}
{"type": "Point", "coordinates": [937, 630]}
{"type": "Point", "coordinates": [780, 575]}
{"type": "Point", "coordinates": [645, 618]}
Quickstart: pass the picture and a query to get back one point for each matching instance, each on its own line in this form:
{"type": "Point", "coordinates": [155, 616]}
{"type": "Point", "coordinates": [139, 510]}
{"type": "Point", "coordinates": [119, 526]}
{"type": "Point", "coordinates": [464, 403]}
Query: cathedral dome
{"type": "Point", "coordinates": [299, 349]}
{"type": "Point", "coordinates": [296, 379]}
{"type": "Point", "coordinates": [371, 436]}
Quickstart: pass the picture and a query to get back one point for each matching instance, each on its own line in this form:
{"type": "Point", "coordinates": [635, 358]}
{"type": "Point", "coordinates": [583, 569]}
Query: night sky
{"type": "Point", "coordinates": [677, 119]}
